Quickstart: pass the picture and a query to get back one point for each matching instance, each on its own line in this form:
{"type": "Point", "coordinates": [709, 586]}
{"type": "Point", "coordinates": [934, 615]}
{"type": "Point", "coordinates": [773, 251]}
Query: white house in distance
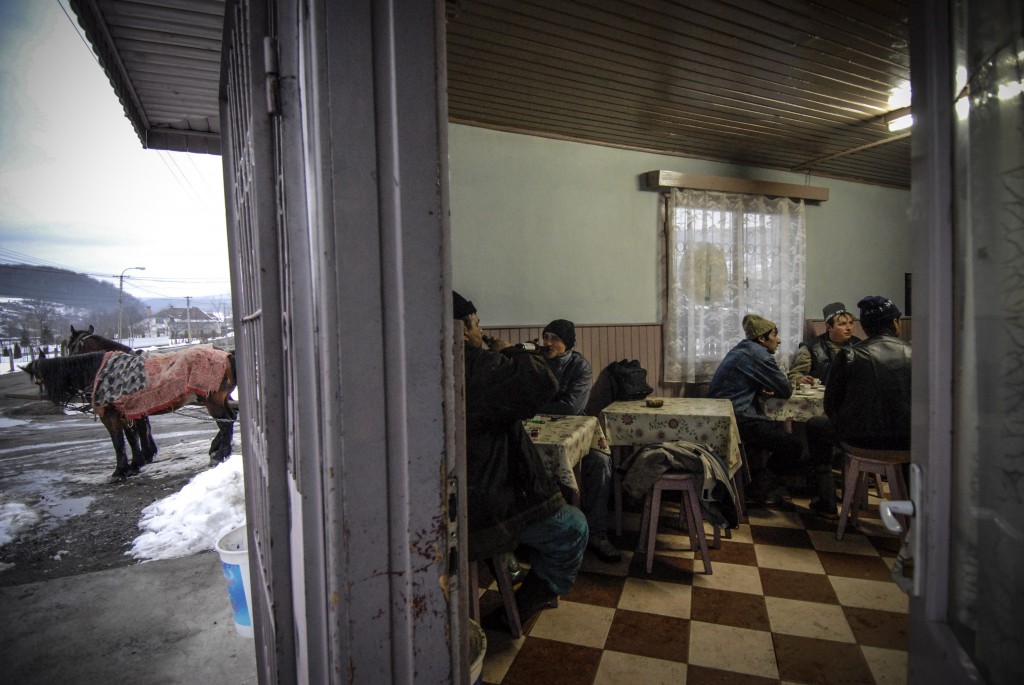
{"type": "Point", "coordinates": [180, 323]}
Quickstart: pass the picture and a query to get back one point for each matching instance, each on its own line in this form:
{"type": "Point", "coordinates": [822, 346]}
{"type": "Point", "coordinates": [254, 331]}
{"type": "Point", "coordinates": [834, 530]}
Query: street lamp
{"type": "Point", "coordinates": [120, 296]}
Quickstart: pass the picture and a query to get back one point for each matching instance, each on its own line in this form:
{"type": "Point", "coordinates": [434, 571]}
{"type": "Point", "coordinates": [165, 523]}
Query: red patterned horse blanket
{"type": "Point", "coordinates": [139, 386]}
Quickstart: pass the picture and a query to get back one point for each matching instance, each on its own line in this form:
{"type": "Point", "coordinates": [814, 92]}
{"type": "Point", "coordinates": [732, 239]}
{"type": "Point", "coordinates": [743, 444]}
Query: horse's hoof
{"type": "Point", "coordinates": [116, 478]}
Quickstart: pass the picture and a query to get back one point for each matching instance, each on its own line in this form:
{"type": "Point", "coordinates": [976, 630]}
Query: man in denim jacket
{"type": "Point", "coordinates": [747, 375]}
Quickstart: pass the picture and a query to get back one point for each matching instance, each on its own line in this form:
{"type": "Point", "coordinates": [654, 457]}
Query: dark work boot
{"type": "Point", "coordinates": [825, 501]}
{"type": "Point", "coordinates": [532, 596]}
{"type": "Point", "coordinates": [516, 571]}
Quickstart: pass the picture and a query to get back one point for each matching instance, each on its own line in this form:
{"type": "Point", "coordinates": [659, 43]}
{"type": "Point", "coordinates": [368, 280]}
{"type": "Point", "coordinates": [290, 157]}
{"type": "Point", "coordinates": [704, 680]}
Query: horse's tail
{"type": "Point", "coordinates": [30, 369]}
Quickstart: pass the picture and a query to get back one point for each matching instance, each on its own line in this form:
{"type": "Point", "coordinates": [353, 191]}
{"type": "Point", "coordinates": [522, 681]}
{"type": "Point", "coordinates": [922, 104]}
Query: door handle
{"type": "Point", "coordinates": [907, 572]}
{"type": "Point", "coordinates": [890, 509]}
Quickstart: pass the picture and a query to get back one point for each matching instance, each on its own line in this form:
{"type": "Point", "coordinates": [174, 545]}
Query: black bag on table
{"type": "Point", "coordinates": [629, 380]}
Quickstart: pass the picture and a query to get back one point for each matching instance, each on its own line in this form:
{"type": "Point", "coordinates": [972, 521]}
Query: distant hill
{"type": "Point", "coordinates": [60, 286]}
{"type": "Point", "coordinates": [40, 304]}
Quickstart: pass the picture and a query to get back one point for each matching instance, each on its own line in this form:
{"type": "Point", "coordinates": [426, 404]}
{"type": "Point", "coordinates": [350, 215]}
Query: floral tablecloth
{"type": "Point", "coordinates": [799, 407]}
{"type": "Point", "coordinates": [703, 421]}
{"type": "Point", "coordinates": [563, 440]}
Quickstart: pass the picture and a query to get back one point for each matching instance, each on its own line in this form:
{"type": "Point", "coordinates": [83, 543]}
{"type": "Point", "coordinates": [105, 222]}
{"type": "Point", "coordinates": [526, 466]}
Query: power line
{"type": "Point", "coordinates": [155, 287]}
{"type": "Point", "coordinates": [78, 32]}
{"type": "Point", "coordinates": [11, 254]}
{"type": "Point", "coordinates": [179, 176]}
{"type": "Point", "coordinates": [164, 282]}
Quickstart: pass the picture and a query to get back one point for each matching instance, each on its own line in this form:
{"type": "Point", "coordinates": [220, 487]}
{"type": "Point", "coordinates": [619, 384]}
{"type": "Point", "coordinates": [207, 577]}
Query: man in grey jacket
{"type": "Point", "coordinates": [575, 375]}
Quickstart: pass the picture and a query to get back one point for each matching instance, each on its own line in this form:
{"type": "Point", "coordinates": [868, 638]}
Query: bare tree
{"type": "Point", "coordinates": [42, 314]}
{"type": "Point", "coordinates": [10, 326]}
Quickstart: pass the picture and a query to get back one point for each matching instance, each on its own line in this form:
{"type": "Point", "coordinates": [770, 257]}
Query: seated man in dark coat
{"type": "Point", "coordinates": [513, 499]}
{"type": "Point", "coordinates": [814, 359]}
{"type": "Point", "coordinates": [867, 398]}
{"type": "Point", "coordinates": [748, 374]}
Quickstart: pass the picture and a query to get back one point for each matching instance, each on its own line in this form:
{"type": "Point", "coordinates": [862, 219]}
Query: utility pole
{"type": "Point", "coordinates": [120, 297]}
{"type": "Point", "coordinates": [188, 315]}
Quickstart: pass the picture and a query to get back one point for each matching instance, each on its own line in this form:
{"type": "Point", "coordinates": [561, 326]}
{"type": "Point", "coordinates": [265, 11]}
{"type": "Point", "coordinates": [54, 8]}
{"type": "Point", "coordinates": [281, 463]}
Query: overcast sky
{"type": "Point", "coordinates": [77, 190]}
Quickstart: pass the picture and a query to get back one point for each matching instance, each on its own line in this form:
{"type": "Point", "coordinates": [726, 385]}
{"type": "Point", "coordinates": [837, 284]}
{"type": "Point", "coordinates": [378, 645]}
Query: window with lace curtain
{"type": "Point", "coordinates": [729, 255]}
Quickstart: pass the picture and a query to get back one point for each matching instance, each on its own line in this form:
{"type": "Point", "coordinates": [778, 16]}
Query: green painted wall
{"type": "Point", "coordinates": [545, 229]}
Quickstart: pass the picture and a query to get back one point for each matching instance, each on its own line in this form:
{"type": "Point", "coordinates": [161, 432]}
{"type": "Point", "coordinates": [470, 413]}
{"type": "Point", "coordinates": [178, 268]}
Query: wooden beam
{"type": "Point", "coordinates": [660, 180]}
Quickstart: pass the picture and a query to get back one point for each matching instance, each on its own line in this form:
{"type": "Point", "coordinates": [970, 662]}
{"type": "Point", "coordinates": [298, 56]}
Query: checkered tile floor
{"type": "Point", "coordinates": [786, 603]}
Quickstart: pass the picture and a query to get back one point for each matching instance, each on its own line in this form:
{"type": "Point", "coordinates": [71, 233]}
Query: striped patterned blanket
{"type": "Point", "coordinates": [151, 383]}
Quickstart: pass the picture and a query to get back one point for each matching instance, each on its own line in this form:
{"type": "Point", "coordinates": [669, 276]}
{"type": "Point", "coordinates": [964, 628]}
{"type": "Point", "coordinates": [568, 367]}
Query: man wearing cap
{"type": "Point", "coordinates": [574, 375]}
{"type": "Point", "coordinates": [814, 359]}
{"type": "Point", "coordinates": [512, 498]}
{"type": "Point", "coordinates": [749, 373]}
{"type": "Point", "coordinates": [867, 398]}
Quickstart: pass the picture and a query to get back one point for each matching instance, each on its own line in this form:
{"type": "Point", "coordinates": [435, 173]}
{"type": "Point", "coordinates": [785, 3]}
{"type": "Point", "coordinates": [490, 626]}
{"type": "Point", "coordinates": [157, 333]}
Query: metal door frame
{"type": "Point", "coordinates": [336, 176]}
{"type": "Point", "coordinates": [251, 207]}
{"type": "Point", "coordinates": [935, 653]}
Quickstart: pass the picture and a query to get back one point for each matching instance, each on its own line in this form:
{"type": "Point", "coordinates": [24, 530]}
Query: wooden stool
{"type": "Point", "coordinates": [508, 594]}
{"type": "Point", "coordinates": [689, 506]}
{"type": "Point", "coordinates": [859, 462]}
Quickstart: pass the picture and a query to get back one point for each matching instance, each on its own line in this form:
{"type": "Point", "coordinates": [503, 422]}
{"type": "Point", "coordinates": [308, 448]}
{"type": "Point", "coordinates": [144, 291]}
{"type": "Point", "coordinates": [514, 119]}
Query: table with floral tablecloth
{"type": "Point", "coordinates": [704, 421]}
{"type": "Point", "coordinates": [563, 441]}
{"type": "Point", "coordinates": [801, 406]}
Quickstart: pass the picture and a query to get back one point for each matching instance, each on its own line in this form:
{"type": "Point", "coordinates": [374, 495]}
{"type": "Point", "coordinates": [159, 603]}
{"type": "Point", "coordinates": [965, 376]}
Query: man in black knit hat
{"type": "Point", "coordinates": [575, 375]}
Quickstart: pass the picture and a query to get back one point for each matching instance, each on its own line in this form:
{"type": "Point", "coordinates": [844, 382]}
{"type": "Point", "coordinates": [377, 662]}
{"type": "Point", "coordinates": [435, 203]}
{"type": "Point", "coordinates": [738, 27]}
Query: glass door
{"type": "Point", "coordinates": [968, 196]}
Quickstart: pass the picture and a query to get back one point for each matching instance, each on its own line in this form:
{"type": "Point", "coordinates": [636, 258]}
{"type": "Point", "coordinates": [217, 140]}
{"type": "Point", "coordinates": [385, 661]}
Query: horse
{"type": "Point", "coordinates": [89, 341]}
{"type": "Point", "coordinates": [126, 387]}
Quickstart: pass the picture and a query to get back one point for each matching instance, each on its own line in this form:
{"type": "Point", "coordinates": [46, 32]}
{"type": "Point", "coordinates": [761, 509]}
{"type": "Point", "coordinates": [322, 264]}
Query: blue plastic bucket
{"type": "Point", "coordinates": [234, 559]}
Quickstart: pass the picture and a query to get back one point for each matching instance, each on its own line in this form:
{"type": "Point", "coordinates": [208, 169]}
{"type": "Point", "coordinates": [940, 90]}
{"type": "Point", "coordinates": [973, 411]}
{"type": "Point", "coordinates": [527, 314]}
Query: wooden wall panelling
{"type": "Point", "coordinates": [603, 344]}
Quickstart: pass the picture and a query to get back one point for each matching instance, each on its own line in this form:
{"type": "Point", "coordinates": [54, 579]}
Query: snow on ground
{"type": "Point", "coordinates": [195, 518]}
{"type": "Point", "coordinates": [14, 518]}
{"type": "Point", "coordinates": [7, 367]}
{"type": "Point", "coordinates": [191, 520]}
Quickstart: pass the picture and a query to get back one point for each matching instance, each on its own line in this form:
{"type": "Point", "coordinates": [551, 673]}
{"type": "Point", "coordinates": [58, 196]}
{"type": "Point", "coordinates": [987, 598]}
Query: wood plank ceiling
{"type": "Point", "coordinates": [796, 85]}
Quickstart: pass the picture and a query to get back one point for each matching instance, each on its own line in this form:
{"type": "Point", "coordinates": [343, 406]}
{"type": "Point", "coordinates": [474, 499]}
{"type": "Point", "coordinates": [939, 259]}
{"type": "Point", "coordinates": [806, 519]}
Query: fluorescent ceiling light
{"type": "Point", "coordinates": [899, 119]}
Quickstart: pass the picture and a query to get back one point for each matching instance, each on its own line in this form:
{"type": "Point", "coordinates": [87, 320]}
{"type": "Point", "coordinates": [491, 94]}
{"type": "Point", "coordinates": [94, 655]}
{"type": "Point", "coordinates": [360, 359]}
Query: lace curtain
{"type": "Point", "coordinates": [729, 255]}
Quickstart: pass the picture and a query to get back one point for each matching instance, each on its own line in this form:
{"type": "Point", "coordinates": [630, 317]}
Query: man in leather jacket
{"type": "Point", "coordinates": [513, 499]}
{"type": "Point", "coordinates": [867, 397]}
{"type": "Point", "coordinates": [814, 359]}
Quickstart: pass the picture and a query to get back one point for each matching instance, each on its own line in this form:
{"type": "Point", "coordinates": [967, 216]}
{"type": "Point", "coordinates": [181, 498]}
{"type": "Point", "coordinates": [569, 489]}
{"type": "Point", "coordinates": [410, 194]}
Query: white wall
{"type": "Point", "coordinates": [545, 229]}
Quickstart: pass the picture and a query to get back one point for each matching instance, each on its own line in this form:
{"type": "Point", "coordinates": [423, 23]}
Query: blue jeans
{"type": "Point", "coordinates": [596, 474]}
{"type": "Point", "coordinates": [556, 547]}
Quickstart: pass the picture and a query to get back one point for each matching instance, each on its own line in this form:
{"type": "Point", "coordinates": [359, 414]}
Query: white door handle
{"type": "Point", "coordinates": [907, 571]}
{"type": "Point", "coordinates": [892, 508]}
